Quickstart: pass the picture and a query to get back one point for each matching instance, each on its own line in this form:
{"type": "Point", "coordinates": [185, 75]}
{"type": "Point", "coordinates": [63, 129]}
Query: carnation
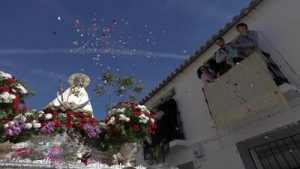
{"type": "Point", "coordinates": [48, 116]}
{"type": "Point", "coordinates": [21, 89]}
{"type": "Point", "coordinates": [5, 126]}
{"type": "Point", "coordinates": [48, 128]}
{"type": "Point", "coordinates": [4, 75]}
{"type": "Point", "coordinates": [28, 126]}
{"type": "Point", "coordinates": [6, 97]}
{"type": "Point", "coordinates": [122, 110]}
{"type": "Point", "coordinates": [124, 118]}
{"type": "Point", "coordinates": [112, 121]}
{"type": "Point", "coordinates": [4, 89]}
{"type": "Point", "coordinates": [23, 118]}
{"type": "Point", "coordinates": [37, 125]}
{"type": "Point", "coordinates": [28, 114]}
{"type": "Point", "coordinates": [142, 108]}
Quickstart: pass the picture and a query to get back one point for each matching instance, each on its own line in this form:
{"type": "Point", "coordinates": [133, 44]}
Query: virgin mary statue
{"type": "Point", "coordinates": [75, 97]}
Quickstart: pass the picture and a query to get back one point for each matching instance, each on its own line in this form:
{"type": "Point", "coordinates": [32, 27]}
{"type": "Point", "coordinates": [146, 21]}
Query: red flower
{"type": "Point", "coordinates": [16, 102]}
{"type": "Point", "coordinates": [149, 130]}
{"type": "Point", "coordinates": [93, 120]}
{"type": "Point", "coordinates": [84, 120]}
{"type": "Point", "coordinates": [138, 113]}
{"type": "Point", "coordinates": [132, 123]}
{"type": "Point", "coordinates": [69, 118]}
{"type": "Point", "coordinates": [24, 108]}
{"type": "Point", "coordinates": [149, 114]}
{"type": "Point", "coordinates": [80, 114]}
{"type": "Point", "coordinates": [4, 89]}
{"type": "Point", "coordinates": [68, 113]}
{"type": "Point", "coordinates": [106, 119]}
{"type": "Point", "coordinates": [57, 124]}
{"type": "Point", "coordinates": [153, 125]}
{"type": "Point", "coordinates": [68, 125]}
{"type": "Point", "coordinates": [117, 119]}
{"type": "Point", "coordinates": [54, 115]}
{"type": "Point", "coordinates": [10, 80]}
{"type": "Point", "coordinates": [5, 121]}
{"type": "Point", "coordinates": [136, 128]}
{"type": "Point", "coordinates": [81, 126]}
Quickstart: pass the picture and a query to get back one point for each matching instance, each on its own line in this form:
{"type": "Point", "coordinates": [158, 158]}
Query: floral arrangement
{"type": "Point", "coordinates": [75, 124]}
{"type": "Point", "coordinates": [127, 122]}
{"type": "Point", "coordinates": [12, 92]}
{"type": "Point", "coordinates": [73, 131]}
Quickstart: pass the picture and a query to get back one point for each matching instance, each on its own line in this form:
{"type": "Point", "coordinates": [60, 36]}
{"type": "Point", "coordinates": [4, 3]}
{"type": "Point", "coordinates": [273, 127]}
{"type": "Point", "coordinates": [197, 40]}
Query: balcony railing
{"type": "Point", "coordinates": [246, 92]}
{"type": "Point", "coordinates": [274, 70]}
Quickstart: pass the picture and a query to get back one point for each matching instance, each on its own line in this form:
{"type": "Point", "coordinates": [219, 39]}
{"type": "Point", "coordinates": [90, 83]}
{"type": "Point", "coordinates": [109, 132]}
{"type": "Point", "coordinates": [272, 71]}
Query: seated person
{"type": "Point", "coordinates": [226, 53]}
{"type": "Point", "coordinates": [246, 42]}
{"type": "Point", "coordinates": [218, 63]}
{"type": "Point", "coordinates": [205, 74]}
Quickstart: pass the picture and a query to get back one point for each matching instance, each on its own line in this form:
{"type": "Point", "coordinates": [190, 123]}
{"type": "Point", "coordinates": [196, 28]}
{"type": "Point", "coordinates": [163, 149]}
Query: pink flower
{"type": "Point", "coordinates": [47, 128]}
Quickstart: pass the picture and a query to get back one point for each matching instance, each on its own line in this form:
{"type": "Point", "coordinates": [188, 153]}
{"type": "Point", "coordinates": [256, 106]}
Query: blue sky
{"type": "Point", "coordinates": [34, 43]}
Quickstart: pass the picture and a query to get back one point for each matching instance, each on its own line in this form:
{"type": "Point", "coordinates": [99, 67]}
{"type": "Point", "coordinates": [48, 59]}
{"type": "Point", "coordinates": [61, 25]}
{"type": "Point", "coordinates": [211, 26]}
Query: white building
{"type": "Point", "coordinates": [262, 134]}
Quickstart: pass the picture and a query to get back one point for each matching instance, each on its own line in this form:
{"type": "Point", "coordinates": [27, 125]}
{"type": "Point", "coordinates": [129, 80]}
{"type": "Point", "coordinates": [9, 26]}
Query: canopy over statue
{"type": "Point", "coordinates": [75, 98]}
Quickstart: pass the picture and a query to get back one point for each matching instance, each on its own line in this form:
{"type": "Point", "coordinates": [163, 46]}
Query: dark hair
{"type": "Point", "coordinates": [242, 25]}
{"type": "Point", "coordinates": [199, 72]}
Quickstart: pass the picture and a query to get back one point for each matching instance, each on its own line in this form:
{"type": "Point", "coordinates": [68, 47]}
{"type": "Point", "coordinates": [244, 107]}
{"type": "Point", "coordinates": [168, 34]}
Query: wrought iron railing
{"type": "Point", "coordinates": [274, 70]}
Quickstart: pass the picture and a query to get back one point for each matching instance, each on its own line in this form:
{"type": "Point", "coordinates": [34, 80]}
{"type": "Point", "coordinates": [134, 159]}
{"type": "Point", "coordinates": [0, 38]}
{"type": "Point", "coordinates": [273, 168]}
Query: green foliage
{"type": "Point", "coordinates": [118, 88]}
{"type": "Point", "coordinates": [99, 90]}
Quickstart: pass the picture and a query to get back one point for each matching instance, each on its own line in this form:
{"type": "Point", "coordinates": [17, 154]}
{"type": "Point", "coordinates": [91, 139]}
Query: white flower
{"type": "Point", "coordinates": [11, 123]}
{"type": "Point", "coordinates": [142, 108]}
{"type": "Point", "coordinates": [112, 111]}
{"type": "Point", "coordinates": [21, 89]}
{"type": "Point", "coordinates": [41, 113]}
{"type": "Point", "coordinates": [5, 126]}
{"type": "Point", "coordinates": [103, 125]}
{"type": "Point", "coordinates": [143, 119]}
{"type": "Point", "coordinates": [6, 97]}
{"type": "Point", "coordinates": [112, 121]}
{"type": "Point", "coordinates": [122, 110]}
{"type": "Point", "coordinates": [152, 120]}
{"type": "Point", "coordinates": [18, 116]}
{"type": "Point", "coordinates": [28, 126]}
{"type": "Point", "coordinates": [37, 125]}
{"type": "Point", "coordinates": [4, 75]}
{"type": "Point", "coordinates": [34, 121]}
{"type": "Point", "coordinates": [124, 118]}
{"type": "Point", "coordinates": [28, 114]}
{"type": "Point", "coordinates": [23, 118]}
{"type": "Point", "coordinates": [48, 116]}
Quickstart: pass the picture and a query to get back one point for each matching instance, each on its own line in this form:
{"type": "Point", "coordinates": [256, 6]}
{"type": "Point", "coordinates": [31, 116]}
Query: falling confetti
{"type": "Point", "coordinates": [105, 38]}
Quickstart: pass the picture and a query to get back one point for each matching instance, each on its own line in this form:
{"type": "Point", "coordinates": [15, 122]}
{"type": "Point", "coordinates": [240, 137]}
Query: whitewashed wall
{"type": "Point", "coordinates": [279, 21]}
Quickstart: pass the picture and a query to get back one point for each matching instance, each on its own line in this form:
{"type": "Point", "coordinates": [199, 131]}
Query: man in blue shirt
{"type": "Point", "coordinates": [246, 42]}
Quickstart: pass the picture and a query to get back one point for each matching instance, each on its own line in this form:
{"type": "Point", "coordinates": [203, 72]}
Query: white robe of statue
{"type": "Point", "coordinates": [75, 97]}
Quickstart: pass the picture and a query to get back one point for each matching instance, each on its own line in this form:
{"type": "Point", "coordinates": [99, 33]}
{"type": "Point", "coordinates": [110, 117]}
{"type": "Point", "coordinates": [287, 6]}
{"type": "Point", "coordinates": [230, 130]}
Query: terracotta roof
{"type": "Point", "coordinates": [202, 49]}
